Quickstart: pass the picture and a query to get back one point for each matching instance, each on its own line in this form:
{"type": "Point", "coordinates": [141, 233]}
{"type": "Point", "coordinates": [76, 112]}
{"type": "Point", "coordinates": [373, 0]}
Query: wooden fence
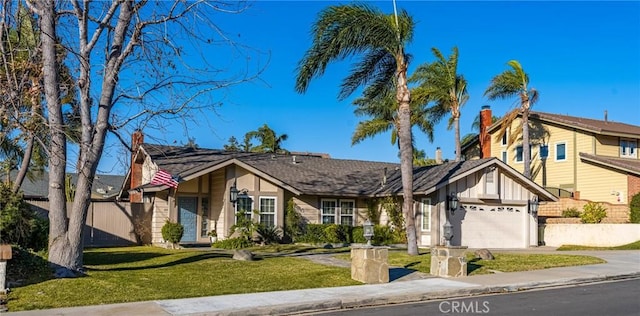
{"type": "Point", "coordinates": [111, 223]}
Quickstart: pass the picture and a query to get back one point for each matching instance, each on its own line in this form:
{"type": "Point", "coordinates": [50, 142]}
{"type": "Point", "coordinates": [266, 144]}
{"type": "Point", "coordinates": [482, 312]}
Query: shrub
{"type": "Point", "coordinates": [293, 222]}
{"type": "Point", "coordinates": [233, 243]}
{"type": "Point", "coordinates": [571, 212]}
{"type": "Point", "coordinates": [313, 233]}
{"type": "Point", "coordinates": [19, 224]}
{"type": "Point", "coordinates": [269, 234]}
{"type": "Point", "coordinates": [634, 212]}
{"type": "Point", "coordinates": [337, 233]}
{"type": "Point", "coordinates": [593, 213]}
{"type": "Point", "coordinates": [172, 232]}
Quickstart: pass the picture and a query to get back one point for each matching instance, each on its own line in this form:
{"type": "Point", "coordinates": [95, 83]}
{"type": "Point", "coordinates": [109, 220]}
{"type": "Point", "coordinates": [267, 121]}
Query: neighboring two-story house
{"type": "Point", "coordinates": [584, 158]}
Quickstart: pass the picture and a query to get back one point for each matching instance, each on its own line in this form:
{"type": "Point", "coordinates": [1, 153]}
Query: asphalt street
{"type": "Point", "coordinates": [615, 298]}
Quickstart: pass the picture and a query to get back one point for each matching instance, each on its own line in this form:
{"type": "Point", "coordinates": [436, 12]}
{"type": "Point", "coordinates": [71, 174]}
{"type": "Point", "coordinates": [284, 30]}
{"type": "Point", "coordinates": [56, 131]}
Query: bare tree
{"type": "Point", "coordinates": [133, 65]}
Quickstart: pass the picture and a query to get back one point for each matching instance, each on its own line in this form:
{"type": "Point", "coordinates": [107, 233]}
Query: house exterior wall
{"type": "Point", "coordinates": [593, 186]}
{"type": "Point", "coordinates": [571, 174]}
{"type": "Point", "coordinates": [633, 185]}
{"type": "Point", "coordinates": [159, 217]}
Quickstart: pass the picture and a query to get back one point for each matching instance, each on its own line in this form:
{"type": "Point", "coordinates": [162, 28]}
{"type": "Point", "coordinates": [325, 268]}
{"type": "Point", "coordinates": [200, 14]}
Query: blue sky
{"type": "Point", "coordinates": [583, 58]}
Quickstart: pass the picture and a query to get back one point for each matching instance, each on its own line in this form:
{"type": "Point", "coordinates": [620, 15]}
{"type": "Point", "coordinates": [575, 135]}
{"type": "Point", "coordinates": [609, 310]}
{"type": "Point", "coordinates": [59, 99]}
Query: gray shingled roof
{"type": "Point", "coordinates": [104, 186]}
{"type": "Point", "coordinates": [309, 174]}
{"type": "Point", "coordinates": [316, 175]}
{"type": "Point", "coordinates": [428, 177]}
{"type": "Point", "coordinates": [598, 126]}
{"type": "Point", "coordinates": [625, 164]}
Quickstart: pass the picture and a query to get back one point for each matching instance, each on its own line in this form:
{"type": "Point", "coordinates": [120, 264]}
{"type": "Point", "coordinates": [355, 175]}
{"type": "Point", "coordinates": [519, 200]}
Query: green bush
{"type": "Point", "coordinates": [337, 233]}
{"type": "Point", "coordinates": [233, 243]}
{"type": "Point", "coordinates": [270, 234]}
{"type": "Point", "coordinates": [634, 212]}
{"type": "Point", "coordinates": [571, 212]}
{"type": "Point", "coordinates": [357, 235]}
{"type": "Point", "coordinates": [19, 224]}
{"type": "Point", "coordinates": [593, 213]}
{"type": "Point", "coordinates": [172, 232]}
{"type": "Point", "coordinates": [313, 233]}
{"type": "Point", "coordinates": [293, 222]}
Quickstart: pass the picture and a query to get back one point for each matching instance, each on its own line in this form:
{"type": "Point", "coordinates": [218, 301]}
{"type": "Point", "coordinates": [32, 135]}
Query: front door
{"type": "Point", "coordinates": [188, 207]}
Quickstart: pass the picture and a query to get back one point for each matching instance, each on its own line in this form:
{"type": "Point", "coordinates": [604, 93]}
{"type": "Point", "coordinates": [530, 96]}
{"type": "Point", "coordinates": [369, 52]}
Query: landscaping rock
{"type": "Point", "coordinates": [242, 255]}
{"type": "Point", "coordinates": [484, 254]}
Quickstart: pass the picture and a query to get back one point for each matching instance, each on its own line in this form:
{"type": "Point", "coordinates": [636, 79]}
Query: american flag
{"type": "Point", "coordinates": [164, 178]}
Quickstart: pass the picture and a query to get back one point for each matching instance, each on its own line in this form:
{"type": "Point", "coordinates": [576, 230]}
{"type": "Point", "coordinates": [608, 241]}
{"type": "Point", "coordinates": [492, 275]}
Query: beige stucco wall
{"type": "Point", "coordinates": [597, 235]}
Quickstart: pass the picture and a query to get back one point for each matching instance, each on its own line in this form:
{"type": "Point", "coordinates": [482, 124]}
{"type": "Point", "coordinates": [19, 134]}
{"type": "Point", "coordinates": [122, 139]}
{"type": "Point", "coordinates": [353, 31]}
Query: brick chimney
{"type": "Point", "coordinates": [485, 138]}
{"type": "Point", "coordinates": [137, 138]}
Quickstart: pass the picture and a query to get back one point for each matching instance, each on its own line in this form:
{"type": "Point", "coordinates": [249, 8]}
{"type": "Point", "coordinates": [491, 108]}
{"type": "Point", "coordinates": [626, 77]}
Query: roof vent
{"type": "Point", "coordinates": [605, 116]}
{"type": "Point", "coordinates": [294, 160]}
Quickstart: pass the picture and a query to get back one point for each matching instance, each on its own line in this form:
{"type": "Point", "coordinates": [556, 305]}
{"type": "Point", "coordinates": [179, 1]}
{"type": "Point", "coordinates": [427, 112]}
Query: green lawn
{"type": "Point", "coordinates": [631, 246]}
{"type": "Point", "coordinates": [117, 275]}
{"type": "Point", "coordinates": [504, 262]}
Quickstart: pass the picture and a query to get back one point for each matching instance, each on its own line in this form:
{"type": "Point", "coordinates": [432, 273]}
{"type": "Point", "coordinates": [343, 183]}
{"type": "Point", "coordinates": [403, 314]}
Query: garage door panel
{"type": "Point", "coordinates": [489, 226]}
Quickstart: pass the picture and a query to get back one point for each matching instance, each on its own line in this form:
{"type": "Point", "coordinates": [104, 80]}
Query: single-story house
{"type": "Point", "coordinates": [192, 186]}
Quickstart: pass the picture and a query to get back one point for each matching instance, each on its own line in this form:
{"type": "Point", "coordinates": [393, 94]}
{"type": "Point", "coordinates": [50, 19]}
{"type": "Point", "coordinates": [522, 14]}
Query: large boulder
{"type": "Point", "coordinates": [242, 255]}
{"type": "Point", "coordinates": [484, 254]}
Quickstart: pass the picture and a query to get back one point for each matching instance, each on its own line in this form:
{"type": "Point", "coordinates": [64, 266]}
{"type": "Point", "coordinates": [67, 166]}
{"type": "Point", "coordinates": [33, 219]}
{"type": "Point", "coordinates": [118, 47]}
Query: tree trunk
{"type": "Point", "coordinates": [456, 126]}
{"type": "Point", "coordinates": [526, 148]}
{"type": "Point", "coordinates": [61, 252]}
{"type": "Point", "coordinates": [406, 155]}
{"type": "Point", "coordinates": [24, 166]}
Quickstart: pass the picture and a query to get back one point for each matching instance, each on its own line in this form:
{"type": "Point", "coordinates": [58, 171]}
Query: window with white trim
{"type": "Point", "coordinates": [520, 153]}
{"type": "Point", "coordinates": [267, 210]}
{"type": "Point", "coordinates": [504, 156]}
{"type": "Point", "coordinates": [346, 212]}
{"type": "Point", "coordinates": [561, 151]}
{"type": "Point", "coordinates": [628, 148]}
{"type": "Point", "coordinates": [244, 204]}
{"type": "Point", "coordinates": [425, 215]}
{"type": "Point", "coordinates": [490, 183]}
{"type": "Point", "coordinates": [328, 210]}
{"type": "Point", "coordinates": [544, 151]}
{"type": "Point", "coordinates": [505, 136]}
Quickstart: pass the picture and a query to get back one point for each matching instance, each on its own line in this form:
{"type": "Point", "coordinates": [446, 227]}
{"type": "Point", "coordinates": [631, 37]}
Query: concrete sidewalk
{"type": "Point", "coordinates": [620, 265]}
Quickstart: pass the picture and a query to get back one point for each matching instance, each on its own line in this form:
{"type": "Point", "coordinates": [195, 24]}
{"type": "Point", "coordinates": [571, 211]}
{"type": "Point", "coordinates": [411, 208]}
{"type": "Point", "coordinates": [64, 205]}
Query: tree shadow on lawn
{"type": "Point", "coordinates": [106, 258]}
{"type": "Point", "coordinates": [472, 266]}
{"type": "Point", "coordinates": [190, 259]}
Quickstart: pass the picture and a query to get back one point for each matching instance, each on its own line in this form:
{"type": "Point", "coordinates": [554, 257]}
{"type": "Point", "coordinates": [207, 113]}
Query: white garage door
{"type": "Point", "coordinates": [491, 226]}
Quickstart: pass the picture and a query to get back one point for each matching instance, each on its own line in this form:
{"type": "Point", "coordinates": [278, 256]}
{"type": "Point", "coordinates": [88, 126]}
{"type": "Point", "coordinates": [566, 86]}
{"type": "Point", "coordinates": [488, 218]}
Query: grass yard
{"type": "Point", "coordinates": [631, 246]}
{"type": "Point", "coordinates": [117, 275]}
{"type": "Point", "coordinates": [504, 262]}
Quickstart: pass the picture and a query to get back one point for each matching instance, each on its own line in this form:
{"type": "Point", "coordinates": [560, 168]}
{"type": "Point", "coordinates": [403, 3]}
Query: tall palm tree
{"type": "Point", "coordinates": [383, 114]}
{"type": "Point", "coordinates": [446, 87]}
{"type": "Point", "coordinates": [510, 83]}
{"type": "Point", "coordinates": [379, 39]}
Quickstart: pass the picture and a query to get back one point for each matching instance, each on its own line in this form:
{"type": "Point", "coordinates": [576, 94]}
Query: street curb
{"type": "Point", "coordinates": [380, 300]}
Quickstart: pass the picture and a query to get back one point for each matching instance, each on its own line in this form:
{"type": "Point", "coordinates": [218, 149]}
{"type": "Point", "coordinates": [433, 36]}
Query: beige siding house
{"type": "Point", "coordinates": [588, 159]}
{"type": "Point", "coordinates": [495, 200]}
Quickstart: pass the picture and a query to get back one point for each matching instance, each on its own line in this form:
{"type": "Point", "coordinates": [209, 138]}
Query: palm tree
{"type": "Point", "coordinates": [446, 87]}
{"type": "Point", "coordinates": [515, 82]}
{"type": "Point", "coordinates": [360, 30]}
{"type": "Point", "coordinates": [269, 141]}
{"type": "Point", "coordinates": [383, 113]}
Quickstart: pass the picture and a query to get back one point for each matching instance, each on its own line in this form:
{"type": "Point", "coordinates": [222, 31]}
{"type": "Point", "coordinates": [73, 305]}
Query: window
{"type": "Point", "coordinates": [346, 212]}
{"type": "Point", "coordinates": [504, 138]}
{"type": "Point", "coordinates": [628, 148]}
{"type": "Point", "coordinates": [244, 204]}
{"type": "Point", "coordinates": [561, 151]}
{"type": "Point", "coordinates": [520, 154]}
{"type": "Point", "coordinates": [425, 214]}
{"type": "Point", "coordinates": [204, 208]}
{"type": "Point", "coordinates": [490, 186]}
{"type": "Point", "coordinates": [268, 211]}
{"type": "Point", "coordinates": [504, 156]}
{"type": "Point", "coordinates": [544, 151]}
{"type": "Point", "coordinates": [328, 209]}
